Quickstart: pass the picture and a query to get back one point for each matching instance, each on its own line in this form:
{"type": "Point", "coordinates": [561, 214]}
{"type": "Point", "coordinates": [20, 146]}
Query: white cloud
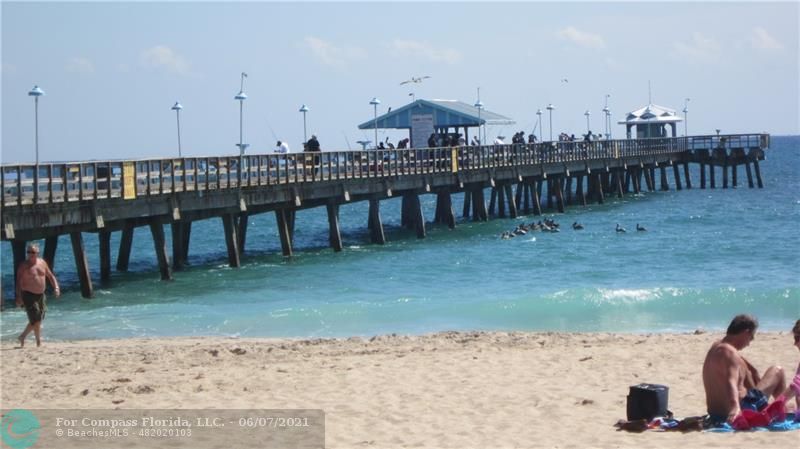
{"type": "Point", "coordinates": [408, 48]}
{"type": "Point", "coordinates": [79, 65]}
{"type": "Point", "coordinates": [581, 38]}
{"type": "Point", "coordinates": [163, 57]}
{"type": "Point", "coordinates": [762, 40]}
{"type": "Point", "coordinates": [332, 55]}
{"type": "Point", "coordinates": [699, 47]}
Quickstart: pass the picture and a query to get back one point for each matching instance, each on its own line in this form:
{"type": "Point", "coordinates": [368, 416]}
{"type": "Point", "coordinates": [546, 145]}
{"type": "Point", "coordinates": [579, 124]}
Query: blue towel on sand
{"type": "Point", "coordinates": [776, 426]}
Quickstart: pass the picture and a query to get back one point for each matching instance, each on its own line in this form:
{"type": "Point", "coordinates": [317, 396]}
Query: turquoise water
{"type": "Point", "coordinates": [708, 255]}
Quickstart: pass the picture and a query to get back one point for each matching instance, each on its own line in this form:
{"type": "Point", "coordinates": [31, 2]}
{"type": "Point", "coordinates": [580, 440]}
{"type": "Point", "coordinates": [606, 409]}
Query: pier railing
{"type": "Point", "coordinates": [77, 181]}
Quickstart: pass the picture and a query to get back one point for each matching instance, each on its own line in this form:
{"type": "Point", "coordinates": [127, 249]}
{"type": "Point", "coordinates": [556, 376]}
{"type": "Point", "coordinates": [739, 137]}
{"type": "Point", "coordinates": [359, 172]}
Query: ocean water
{"type": "Point", "coordinates": [708, 255]}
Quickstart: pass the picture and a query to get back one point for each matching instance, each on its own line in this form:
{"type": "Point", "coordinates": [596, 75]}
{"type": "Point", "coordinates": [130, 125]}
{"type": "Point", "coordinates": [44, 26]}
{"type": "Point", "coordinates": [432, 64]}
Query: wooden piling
{"type": "Point", "coordinates": [282, 219]}
{"type": "Point", "coordinates": [18, 248]}
{"type": "Point", "coordinates": [652, 171]}
{"type": "Point", "coordinates": [478, 205]}
{"type": "Point", "coordinates": [568, 189]}
{"type": "Point", "coordinates": [50, 246]}
{"type": "Point", "coordinates": [493, 201]}
{"type": "Point", "coordinates": [677, 175]}
{"type": "Point", "coordinates": [620, 191]}
{"type": "Point", "coordinates": [290, 217]}
{"type": "Point", "coordinates": [687, 178]}
{"type": "Point", "coordinates": [501, 201]}
{"type": "Point", "coordinates": [467, 204]}
{"type": "Point", "coordinates": [648, 181]}
{"type": "Point", "coordinates": [600, 199]}
{"type": "Point", "coordinates": [241, 233]}
{"type": "Point", "coordinates": [579, 190]}
{"type": "Point", "coordinates": [734, 175]}
{"type": "Point", "coordinates": [725, 175]}
{"type": "Point", "coordinates": [758, 174]}
{"type": "Point", "coordinates": [539, 188]}
{"type": "Point", "coordinates": [176, 228]}
{"type": "Point", "coordinates": [374, 222]}
{"type": "Point", "coordinates": [749, 174]}
{"type": "Point", "coordinates": [125, 242]}
{"type": "Point", "coordinates": [536, 197]}
{"type": "Point", "coordinates": [186, 235]}
{"type": "Point", "coordinates": [550, 193]}
{"type": "Point", "coordinates": [334, 235]}
{"type": "Point", "coordinates": [81, 264]}
{"type": "Point", "coordinates": [444, 210]}
{"type": "Point", "coordinates": [518, 194]}
{"type": "Point", "coordinates": [105, 255]}
{"type": "Point", "coordinates": [702, 175]}
{"type": "Point", "coordinates": [512, 204]}
{"type": "Point", "coordinates": [559, 195]}
{"type": "Point", "coordinates": [160, 245]}
{"type": "Point", "coordinates": [231, 240]}
{"type": "Point", "coordinates": [664, 183]}
{"type": "Point", "coordinates": [526, 196]}
{"type": "Point", "coordinates": [636, 179]}
{"type": "Point", "coordinates": [712, 174]}
{"type": "Point", "coordinates": [417, 217]}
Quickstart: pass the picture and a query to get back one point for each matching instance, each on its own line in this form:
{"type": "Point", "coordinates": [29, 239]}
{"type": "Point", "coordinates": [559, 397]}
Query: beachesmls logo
{"type": "Point", "coordinates": [20, 429]}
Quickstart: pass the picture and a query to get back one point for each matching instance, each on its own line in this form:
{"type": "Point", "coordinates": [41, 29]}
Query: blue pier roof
{"type": "Point", "coordinates": [445, 113]}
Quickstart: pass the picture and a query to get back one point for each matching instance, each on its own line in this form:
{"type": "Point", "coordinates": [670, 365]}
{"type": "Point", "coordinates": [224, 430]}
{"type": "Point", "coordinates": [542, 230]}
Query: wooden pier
{"type": "Point", "coordinates": [101, 197]}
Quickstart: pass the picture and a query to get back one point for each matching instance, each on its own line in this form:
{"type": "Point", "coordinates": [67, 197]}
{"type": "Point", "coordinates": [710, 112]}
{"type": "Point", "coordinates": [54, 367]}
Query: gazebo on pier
{"type": "Point", "coordinates": [651, 121]}
{"type": "Point", "coordinates": [425, 117]}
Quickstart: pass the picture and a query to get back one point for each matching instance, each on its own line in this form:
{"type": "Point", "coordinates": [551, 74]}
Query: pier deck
{"type": "Point", "coordinates": [48, 200]}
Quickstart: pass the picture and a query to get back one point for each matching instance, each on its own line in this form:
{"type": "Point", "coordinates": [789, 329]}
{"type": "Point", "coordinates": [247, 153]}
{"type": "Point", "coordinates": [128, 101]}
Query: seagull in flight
{"type": "Point", "coordinates": [415, 80]}
{"type": "Point", "coordinates": [564, 80]}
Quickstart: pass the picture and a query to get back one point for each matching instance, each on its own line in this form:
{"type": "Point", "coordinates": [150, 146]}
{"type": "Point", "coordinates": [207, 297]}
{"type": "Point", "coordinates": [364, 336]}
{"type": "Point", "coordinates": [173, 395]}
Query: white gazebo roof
{"type": "Point", "coordinates": [652, 113]}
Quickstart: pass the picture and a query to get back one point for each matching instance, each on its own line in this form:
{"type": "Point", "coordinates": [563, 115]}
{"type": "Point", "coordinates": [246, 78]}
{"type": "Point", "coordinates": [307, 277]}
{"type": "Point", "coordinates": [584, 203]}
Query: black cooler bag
{"type": "Point", "coordinates": [646, 401]}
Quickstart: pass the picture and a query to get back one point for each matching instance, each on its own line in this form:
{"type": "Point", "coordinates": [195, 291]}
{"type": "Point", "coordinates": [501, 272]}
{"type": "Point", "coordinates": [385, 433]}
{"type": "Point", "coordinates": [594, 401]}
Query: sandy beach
{"type": "Point", "coordinates": [479, 390]}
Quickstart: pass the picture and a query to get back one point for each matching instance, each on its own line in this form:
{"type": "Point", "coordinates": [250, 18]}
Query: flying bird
{"type": "Point", "coordinates": [564, 80]}
{"type": "Point", "coordinates": [415, 80]}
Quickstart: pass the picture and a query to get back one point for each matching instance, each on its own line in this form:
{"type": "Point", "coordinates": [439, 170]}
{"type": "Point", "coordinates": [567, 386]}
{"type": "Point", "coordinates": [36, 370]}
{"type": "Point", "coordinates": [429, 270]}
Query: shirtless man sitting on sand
{"type": "Point", "coordinates": [730, 381]}
{"type": "Point", "coordinates": [32, 277]}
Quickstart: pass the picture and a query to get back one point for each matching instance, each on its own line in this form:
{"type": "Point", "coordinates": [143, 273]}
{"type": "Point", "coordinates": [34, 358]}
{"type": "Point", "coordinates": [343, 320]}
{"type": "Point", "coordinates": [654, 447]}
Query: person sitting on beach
{"type": "Point", "coordinates": [731, 383]}
{"type": "Point", "coordinates": [793, 390]}
{"type": "Point", "coordinates": [32, 277]}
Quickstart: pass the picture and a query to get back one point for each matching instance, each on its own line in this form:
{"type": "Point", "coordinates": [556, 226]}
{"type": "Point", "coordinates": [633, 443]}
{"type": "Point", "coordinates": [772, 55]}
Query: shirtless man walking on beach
{"type": "Point", "coordinates": [730, 381]}
{"type": "Point", "coordinates": [32, 276]}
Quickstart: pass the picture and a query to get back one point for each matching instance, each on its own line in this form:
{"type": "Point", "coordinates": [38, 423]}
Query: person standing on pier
{"type": "Point", "coordinates": [32, 277]}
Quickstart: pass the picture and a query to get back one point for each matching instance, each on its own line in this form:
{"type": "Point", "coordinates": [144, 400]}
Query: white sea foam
{"type": "Point", "coordinates": [628, 295]}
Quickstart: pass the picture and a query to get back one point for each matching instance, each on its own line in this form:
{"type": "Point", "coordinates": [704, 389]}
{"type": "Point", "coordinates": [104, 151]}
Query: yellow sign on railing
{"type": "Point", "coordinates": [129, 181]}
{"type": "Point", "coordinates": [454, 158]}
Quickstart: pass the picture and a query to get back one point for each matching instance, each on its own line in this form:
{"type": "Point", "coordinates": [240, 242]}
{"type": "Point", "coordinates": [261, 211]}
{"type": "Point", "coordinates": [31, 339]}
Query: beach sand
{"type": "Point", "coordinates": [446, 390]}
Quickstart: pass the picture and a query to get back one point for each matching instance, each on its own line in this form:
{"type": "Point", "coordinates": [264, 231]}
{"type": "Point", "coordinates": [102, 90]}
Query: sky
{"type": "Point", "coordinates": [111, 71]}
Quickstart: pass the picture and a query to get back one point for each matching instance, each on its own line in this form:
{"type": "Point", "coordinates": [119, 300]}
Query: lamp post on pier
{"type": "Point", "coordinates": [539, 122]}
{"type": "Point", "coordinates": [375, 102]}
{"type": "Point", "coordinates": [241, 97]}
{"type": "Point", "coordinates": [177, 108]}
{"type": "Point", "coordinates": [36, 92]}
{"type": "Point", "coordinates": [607, 118]}
{"type": "Point", "coordinates": [587, 114]}
{"type": "Point", "coordinates": [479, 105]}
{"type": "Point", "coordinates": [304, 109]}
{"type": "Point", "coordinates": [686, 117]}
{"type": "Point", "coordinates": [550, 108]}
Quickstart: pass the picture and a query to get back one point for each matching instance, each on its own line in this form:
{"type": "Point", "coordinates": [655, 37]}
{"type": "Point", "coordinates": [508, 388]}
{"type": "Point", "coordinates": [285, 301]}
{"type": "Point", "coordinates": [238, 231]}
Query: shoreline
{"type": "Point", "coordinates": [447, 389]}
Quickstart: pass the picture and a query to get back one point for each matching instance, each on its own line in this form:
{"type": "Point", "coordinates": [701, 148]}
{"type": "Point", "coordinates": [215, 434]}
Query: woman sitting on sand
{"type": "Point", "coordinates": [794, 387]}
